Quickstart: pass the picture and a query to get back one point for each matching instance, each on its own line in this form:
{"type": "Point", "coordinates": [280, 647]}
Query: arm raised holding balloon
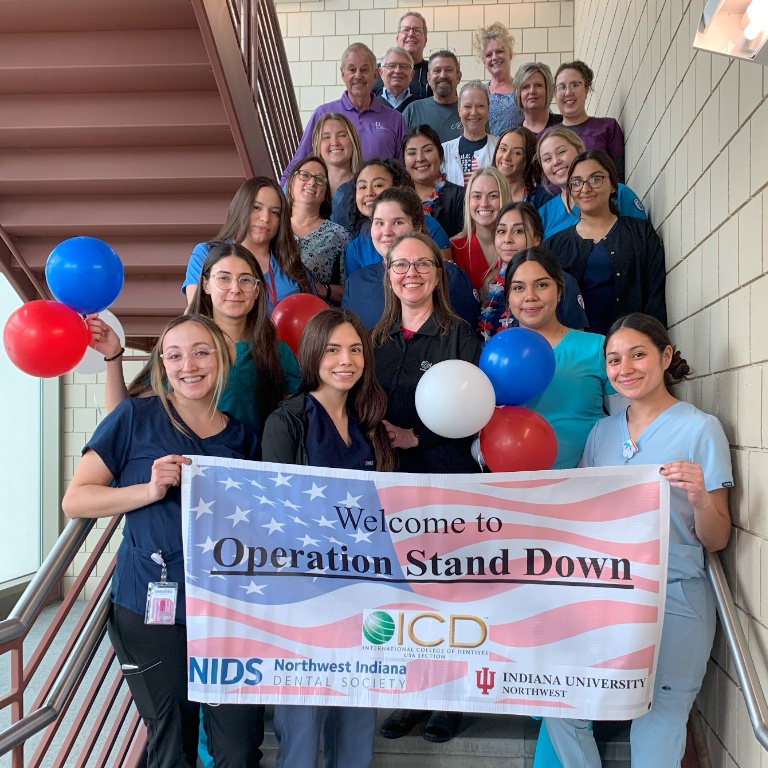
{"type": "Point", "coordinates": [104, 339]}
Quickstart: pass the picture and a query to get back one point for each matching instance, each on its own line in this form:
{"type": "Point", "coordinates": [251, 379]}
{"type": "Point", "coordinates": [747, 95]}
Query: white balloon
{"type": "Point", "coordinates": [93, 361]}
{"type": "Point", "coordinates": [455, 399]}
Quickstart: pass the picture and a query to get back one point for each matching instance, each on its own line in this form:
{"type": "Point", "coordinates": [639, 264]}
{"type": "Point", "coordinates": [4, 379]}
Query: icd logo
{"type": "Point", "coordinates": [378, 627]}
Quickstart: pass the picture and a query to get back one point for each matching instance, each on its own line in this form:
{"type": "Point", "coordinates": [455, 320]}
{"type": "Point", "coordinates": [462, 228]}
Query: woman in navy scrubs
{"type": "Point", "coordinates": [336, 420]}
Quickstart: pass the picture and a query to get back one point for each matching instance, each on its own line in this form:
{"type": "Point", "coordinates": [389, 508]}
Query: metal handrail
{"type": "Point", "coordinates": [751, 689]}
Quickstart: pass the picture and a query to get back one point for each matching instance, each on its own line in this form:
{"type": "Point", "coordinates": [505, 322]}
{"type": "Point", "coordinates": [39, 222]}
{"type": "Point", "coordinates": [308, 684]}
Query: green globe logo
{"type": "Point", "coordinates": [378, 627]}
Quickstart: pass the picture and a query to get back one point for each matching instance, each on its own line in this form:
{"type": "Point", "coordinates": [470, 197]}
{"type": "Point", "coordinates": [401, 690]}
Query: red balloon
{"type": "Point", "coordinates": [292, 314]}
{"type": "Point", "coordinates": [45, 338]}
{"type": "Point", "coordinates": [518, 439]}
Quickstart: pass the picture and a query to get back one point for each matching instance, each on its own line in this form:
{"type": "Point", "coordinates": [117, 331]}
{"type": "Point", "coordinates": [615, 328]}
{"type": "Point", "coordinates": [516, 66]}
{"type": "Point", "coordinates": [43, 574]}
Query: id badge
{"type": "Point", "coordinates": [161, 602]}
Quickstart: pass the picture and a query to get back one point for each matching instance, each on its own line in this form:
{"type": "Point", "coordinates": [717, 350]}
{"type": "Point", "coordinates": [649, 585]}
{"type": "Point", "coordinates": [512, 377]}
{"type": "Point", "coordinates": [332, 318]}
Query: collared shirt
{"type": "Point", "coordinates": [380, 128]}
{"type": "Point", "coordinates": [395, 101]}
{"type": "Point", "coordinates": [419, 85]}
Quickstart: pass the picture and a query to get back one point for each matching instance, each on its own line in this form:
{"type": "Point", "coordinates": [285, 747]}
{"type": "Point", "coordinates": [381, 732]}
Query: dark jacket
{"type": "Point", "coordinates": [637, 256]}
{"type": "Point", "coordinates": [285, 433]}
{"type": "Point", "coordinates": [411, 98]}
{"type": "Point", "coordinates": [400, 364]}
{"type": "Point", "coordinates": [418, 85]}
{"type": "Point", "coordinates": [448, 209]}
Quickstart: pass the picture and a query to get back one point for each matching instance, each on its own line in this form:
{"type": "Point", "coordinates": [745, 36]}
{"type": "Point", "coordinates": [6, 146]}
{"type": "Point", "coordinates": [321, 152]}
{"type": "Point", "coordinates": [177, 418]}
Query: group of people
{"type": "Point", "coordinates": [428, 220]}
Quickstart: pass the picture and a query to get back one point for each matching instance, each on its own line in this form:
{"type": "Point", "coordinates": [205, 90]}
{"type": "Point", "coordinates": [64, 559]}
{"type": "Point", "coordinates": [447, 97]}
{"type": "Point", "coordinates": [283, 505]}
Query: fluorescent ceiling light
{"type": "Point", "coordinates": [735, 28]}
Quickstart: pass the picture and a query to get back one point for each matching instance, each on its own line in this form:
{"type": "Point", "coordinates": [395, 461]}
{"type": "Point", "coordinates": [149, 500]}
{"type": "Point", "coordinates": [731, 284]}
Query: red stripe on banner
{"type": "Point", "coordinates": [239, 647]}
{"type": "Point", "coordinates": [407, 607]}
{"type": "Point", "coordinates": [570, 620]}
{"type": "Point", "coordinates": [339, 634]}
{"type": "Point", "coordinates": [430, 673]}
{"type": "Point", "coordinates": [300, 691]}
{"type": "Point", "coordinates": [614, 505]}
{"type": "Point", "coordinates": [498, 657]}
{"type": "Point", "coordinates": [642, 659]}
{"type": "Point", "coordinates": [527, 483]}
{"type": "Point", "coordinates": [537, 703]}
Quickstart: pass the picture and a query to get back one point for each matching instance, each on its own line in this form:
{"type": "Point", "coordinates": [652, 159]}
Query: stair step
{"type": "Point", "coordinates": [187, 118]}
{"type": "Point", "coordinates": [92, 62]}
{"type": "Point", "coordinates": [121, 170]}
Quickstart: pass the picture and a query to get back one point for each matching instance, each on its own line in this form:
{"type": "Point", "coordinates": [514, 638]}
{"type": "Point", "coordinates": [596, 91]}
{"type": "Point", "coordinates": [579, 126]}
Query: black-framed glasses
{"type": "Point", "coordinates": [201, 357]}
{"type": "Point", "coordinates": [594, 182]}
{"type": "Point", "coordinates": [247, 283]}
{"type": "Point", "coordinates": [321, 181]}
{"type": "Point", "coordinates": [422, 266]}
{"type": "Point", "coordinates": [418, 31]}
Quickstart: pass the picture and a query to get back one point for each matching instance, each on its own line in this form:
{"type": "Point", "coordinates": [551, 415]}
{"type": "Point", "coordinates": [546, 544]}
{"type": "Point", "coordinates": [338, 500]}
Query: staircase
{"type": "Point", "coordinates": [132, 121]}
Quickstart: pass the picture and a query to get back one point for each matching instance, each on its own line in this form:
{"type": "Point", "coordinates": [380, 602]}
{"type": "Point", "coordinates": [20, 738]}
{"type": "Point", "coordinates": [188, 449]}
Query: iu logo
{"type": "Point", "coordinates": [485, 680]}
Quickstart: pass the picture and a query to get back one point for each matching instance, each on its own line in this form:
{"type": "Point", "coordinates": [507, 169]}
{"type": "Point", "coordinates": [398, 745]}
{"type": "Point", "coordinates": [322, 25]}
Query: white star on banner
{"type": "Point", "coordinates": [251, 588]}
{"type": "Point", "coordinates": [281, 479]}
{"type": "Point", "coordinates": [359, 536]}
{"type": "Point", "coordinates": [350, 501]}
{"type": "Point", "coordinates": [208, 546]}
{"type": "Point", "coordinates": [307, 540]}
{"type": "Point", "coordinates": [230, 483]}
{"type": "Point", "coordinates": [215, 575]}
{"type": "Point", "coordinates": [323, 522]}
{"type": "Point", "coordinates": [288, 503]}
{"type": "Point", "coordinates": [203, 508]}
{"type": "Point", "coordinates": [258, 485]}
{"type": "Point", "coordinates": [197, 470]}
{"type": "Point", "coordinates": [316, 492]}
{"type": "Point", "coordinates": [333, 541]}
{"type": "Point", "coordinates": [299, 521]}
{"type": "Point", "coordinates": [239, 516]}
{"type": "Point", "coordinates": [273, 526]}
{"type": "Point", "coordinates": [265, 500]}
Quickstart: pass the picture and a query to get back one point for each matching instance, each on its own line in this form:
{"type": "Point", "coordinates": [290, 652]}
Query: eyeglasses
{"type": "Point", "coordinates": [401, 67]}
{"type": "Point", "coordinates": [202, 358]}
{"type": "Point", "coordinates": [594, 182]}
{"type": "Point", "coordinates": [422, 266]}
{"type": "Point", "coordinates": [572, 87]}
{"type": "Point", "coordinates": [321, 181]}
{"type": "Point", "coordinates": [418, 31]}
{"type": "Point", "coordinates": [247, 283]}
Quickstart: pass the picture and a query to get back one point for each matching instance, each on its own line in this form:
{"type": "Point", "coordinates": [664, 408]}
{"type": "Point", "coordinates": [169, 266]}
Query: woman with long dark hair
{"type": "Point", "coordinates": [132, 466]}
{"type": "Point", "coordinates": [515, 157]}
{"type": "Point", "coordinates": [258, 219]}
{"type": "Point", "coordinates": [336, 420]}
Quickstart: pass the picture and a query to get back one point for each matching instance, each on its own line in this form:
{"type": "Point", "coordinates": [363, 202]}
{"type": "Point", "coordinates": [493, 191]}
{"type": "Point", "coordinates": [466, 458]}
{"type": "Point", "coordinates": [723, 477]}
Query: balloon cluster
{"type": "Point", "coordinates": [457, 399]}
{"type": "Point", "coordinates": [49, 338]}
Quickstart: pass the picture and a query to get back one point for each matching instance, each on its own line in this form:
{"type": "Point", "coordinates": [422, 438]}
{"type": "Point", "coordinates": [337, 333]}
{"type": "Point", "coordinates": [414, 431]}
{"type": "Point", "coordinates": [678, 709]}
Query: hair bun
{"type": "Point", "coordinates": [678, 369]}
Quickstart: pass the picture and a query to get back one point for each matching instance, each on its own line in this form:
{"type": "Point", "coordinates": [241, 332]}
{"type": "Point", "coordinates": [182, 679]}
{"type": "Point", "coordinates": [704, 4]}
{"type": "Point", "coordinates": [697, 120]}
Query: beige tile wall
{"type": "Point", "coordinates": [696, 126]}
{"type": "Point", "coordinates": [316, 34]}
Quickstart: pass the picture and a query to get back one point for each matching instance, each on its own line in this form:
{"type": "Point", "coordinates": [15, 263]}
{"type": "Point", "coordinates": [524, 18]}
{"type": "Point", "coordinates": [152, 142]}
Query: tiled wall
{"type": "Point", "coordinates": [316, 34]}
{"type": "Point", "coordinates": [696, 126]}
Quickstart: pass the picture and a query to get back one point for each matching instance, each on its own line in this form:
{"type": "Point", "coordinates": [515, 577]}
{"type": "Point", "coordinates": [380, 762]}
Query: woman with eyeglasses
{"type": "Point", "coordinates": [132, 466]}
{"type": "Point", "coordinates": [374, 176]}
{"type": "Point", "coordinates": [494, 46]}
{"type": "Point", "coordinates": [534, 89]}
{"type": "Point", "coordinates": [336, 421]}
{"type": "Point", "coordinates": [618, 261]}
{"type": "Point", "coordinates": [555, 152]}
{"type": "Point", "coordinates": [442, 199]}
{"type": "Point", "coordinates": [230, 292]}
{"type": "Point", "coordinates": [395, 212]}
{"type": "Point", "coordinates": [515, 157]}
{"type": "Point", "coordinates": [573, 82]}
{"type": "Point", "coordinates": [259, 220]}
{"type": "Point", "coordinates": [417, 330]}
{"type": "Point", "coordinates": [323, 244]}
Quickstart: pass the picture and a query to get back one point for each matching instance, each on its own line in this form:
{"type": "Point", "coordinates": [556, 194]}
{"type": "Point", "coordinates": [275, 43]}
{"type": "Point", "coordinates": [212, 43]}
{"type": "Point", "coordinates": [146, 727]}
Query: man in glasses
{"type": "Point", "coordinates": [412, 36]}
{"type": "Point", "coordinates": [396, 71]}
{"type": "Point", "coordinates": [381, 130]}
{"type": "Point", "coordinates": [442, 110]}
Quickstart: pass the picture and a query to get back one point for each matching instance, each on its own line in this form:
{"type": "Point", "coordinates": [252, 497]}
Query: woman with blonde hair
{"type": "Point", "coordinates": [494, 46]}
{"type": "Point", "coordinates": [473, 249]}
{"type": "Point", "coordinates": [534, 90]}
{"type": "Point", "coordinates": [335, 139]}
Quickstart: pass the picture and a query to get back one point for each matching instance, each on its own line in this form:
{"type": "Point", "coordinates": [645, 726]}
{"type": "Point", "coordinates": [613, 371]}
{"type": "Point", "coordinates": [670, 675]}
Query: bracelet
{"type": "Point", "coordinates": [114, 357]}
{"type": "Point", "coordinates": [327, 287]}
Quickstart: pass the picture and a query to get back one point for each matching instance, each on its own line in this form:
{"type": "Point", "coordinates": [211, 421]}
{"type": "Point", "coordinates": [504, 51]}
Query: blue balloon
{"type": "Point", "coordinates": [520, 364]}
{"type": "Point", "coordinates": [85, 274]}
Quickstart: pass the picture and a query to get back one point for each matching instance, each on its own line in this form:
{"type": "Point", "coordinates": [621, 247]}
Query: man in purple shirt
{"type": "Point", "coordinates": [380, 128]}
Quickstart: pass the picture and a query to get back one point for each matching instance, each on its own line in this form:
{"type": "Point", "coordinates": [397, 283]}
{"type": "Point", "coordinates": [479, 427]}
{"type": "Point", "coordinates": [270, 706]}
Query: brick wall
{"type": "Point", "coordinates": [696, 125]}
{"type": "Point", "coordinates": [316, 34]}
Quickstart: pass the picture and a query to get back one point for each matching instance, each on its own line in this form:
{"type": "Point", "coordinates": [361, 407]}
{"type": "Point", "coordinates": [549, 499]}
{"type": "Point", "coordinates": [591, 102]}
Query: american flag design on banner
{"type": "Point", "coordinates": [532, 593]}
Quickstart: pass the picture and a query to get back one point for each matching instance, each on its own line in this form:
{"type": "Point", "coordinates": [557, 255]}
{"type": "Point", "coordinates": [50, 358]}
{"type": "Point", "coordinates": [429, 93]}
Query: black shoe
{"type": "Point", "coordinates": [442, 727]}
{"type": "Point", "coordinates": [401, 721]}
